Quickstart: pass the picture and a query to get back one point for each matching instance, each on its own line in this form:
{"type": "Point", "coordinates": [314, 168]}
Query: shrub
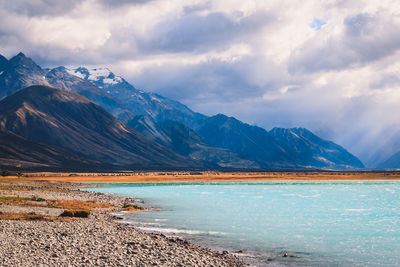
{"type": "Point", "coordinates": [75, 213]}
{"type": "Point", "coordinates": [5, 173]}
{"type": "Point", "coordinates": [131, 207]}
{"type": "Point", "coordinates": [36, 198]}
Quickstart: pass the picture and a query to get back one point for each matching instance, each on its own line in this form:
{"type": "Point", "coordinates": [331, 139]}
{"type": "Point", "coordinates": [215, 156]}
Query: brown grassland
{"type": "Point", "coordinates": [207, 176]}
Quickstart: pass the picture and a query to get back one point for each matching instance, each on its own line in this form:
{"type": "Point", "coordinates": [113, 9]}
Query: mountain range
{"type": "Point", "coordinates": [97, 118]}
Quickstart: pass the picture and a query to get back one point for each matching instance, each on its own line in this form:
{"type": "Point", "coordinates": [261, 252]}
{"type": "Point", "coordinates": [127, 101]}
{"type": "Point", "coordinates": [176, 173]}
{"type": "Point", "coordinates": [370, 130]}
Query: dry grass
{"type": "Point", "coordinates": [53, 203]}
{"type": "Point", "coordinates": [32, 217]}
{"type": "Point", "coordinates": [13, 188]}
{"type": "Point", "coordinates": [78, 204]}
{"type": "Point", "coordinates": [12, 178]}
{"type": "Point", "coordinates": [13, 200]}
{"type": "Point", "coordinates": [160, 177]}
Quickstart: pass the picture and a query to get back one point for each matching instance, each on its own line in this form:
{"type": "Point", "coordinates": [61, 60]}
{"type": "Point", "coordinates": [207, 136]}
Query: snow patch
{"type": "Point", "coordinates": [75, 73]}
{"type": "Point", "coordinates": [103, 75]}
{"type": "Point", "coordinates": [110, 81]}
{"type": "Point", "coordinates": [97, 74]}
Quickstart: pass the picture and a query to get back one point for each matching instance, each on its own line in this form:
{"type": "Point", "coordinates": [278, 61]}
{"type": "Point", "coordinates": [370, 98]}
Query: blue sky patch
{"type": "Point", "coordinates": [317, 24]}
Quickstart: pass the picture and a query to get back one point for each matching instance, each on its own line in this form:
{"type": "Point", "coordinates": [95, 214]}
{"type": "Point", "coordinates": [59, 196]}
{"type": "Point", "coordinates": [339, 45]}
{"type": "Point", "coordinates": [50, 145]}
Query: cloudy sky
{"type": "Point", "coordinates": [330, 66]}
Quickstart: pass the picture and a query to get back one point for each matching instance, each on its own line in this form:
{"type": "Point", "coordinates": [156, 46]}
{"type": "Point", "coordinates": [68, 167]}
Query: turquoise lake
{"type": "Point", "coordinates": [346, 223]}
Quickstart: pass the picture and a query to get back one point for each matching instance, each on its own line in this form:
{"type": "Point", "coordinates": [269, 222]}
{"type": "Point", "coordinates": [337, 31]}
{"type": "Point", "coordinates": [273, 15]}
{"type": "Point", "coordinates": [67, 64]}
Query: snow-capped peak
{"type": "Point", "coordinates": [99, 76]}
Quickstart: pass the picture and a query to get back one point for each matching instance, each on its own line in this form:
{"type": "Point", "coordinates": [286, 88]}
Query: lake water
{"type": "Point", "coordinates": [346, 223]}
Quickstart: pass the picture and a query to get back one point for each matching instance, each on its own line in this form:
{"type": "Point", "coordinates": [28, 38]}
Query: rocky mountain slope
{"type": "Point", "coordinates": [20, 72]}
{"type": "Point", "coordinates": [16, 152]}
{"type": "Point", "coordinates": [157, 107]}
{"type": "Point", "coordinates": [3, 64]}
{"type": "Point", "coordinates": [72, 122]}
{"type": "Point", "coordinates": [249, 142]}
{"type": "Point", "coordinates": [187, 142]}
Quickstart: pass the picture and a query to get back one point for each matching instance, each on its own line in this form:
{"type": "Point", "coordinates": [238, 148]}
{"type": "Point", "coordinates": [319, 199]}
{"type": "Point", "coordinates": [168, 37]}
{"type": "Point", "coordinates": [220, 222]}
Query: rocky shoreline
{"type": "Point", "coordinates": [37, 235]}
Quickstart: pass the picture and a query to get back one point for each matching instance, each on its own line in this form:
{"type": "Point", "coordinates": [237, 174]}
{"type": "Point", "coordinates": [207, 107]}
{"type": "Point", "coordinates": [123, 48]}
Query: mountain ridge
{"type": "Point", "coordinates": [218, 140]}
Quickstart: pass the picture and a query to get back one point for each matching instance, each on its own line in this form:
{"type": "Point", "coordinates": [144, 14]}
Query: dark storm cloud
{"type": "Point", "coordinates": [212, 80]}
{"type": "Point", "coordinates": [365, 38]}
{"type": "Point", "coordinates": [196, 33]}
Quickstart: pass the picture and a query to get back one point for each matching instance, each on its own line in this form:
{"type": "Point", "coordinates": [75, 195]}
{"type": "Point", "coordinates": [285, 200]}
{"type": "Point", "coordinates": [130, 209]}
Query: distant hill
{"type": "Point", "coordinates": [187, 142]}
{"type": "Point", "coordinates": [387, 151]}
{"type": "Point", "coordinates": [279, 148]}
{"type": "Point", "coordinates": [393, 162]}
{"type": "Point", "coordinates": [308, 150]}
{"type": "Point", "coordinates": [72, 122]}
{"type": "Point", "coordinates": [249, 142]}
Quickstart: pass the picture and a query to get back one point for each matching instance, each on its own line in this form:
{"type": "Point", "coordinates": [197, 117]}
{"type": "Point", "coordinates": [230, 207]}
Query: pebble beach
{"type": "Point", "coordinates": [32, 232]}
